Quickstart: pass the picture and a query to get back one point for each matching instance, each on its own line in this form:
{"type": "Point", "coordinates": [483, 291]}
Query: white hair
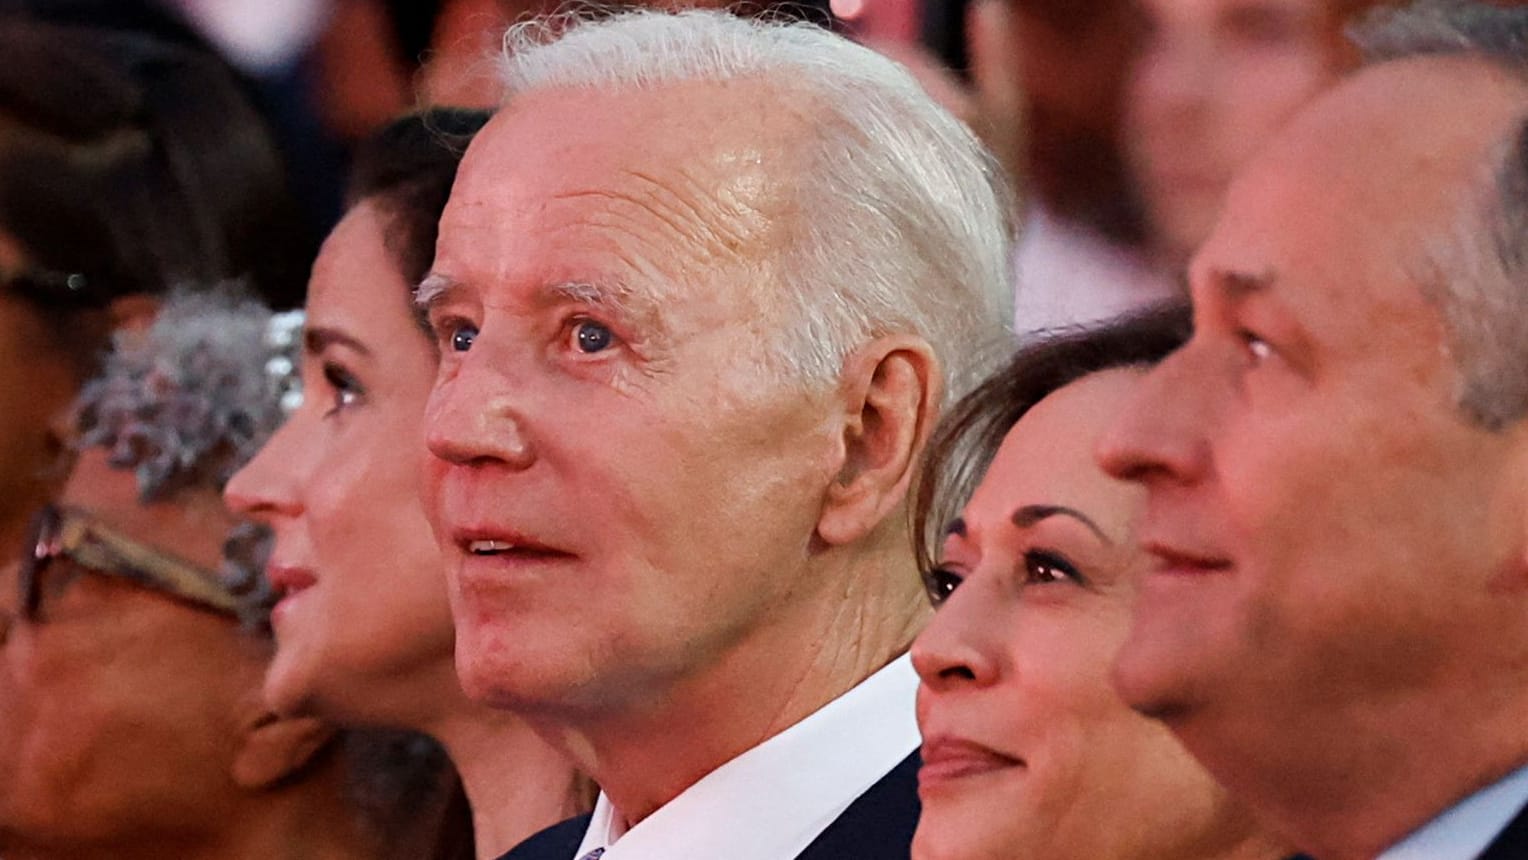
{"type": "Point", "coordinates": [908, 220]}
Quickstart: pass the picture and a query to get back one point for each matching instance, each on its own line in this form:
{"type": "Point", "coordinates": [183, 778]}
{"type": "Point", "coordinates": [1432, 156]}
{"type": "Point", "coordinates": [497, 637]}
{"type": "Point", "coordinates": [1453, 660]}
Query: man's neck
{"type": "Point", "coordinates": [1354, 803]}
{"type": "Point", "coordinates": [643, 757]}
{"type": "Point", "coordinates": [516, 783]}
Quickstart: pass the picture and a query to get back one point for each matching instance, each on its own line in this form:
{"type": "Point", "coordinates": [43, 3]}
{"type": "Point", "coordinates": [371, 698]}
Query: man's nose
{"type": "Point", "coordinates": [474, 417]}
{"type": "Point", "coordinates": [1160, 434]}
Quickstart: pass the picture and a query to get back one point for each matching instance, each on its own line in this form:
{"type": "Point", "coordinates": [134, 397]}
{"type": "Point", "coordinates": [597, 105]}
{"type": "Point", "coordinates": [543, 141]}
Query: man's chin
{"type": "Point", "coordinates": [1152, 679]}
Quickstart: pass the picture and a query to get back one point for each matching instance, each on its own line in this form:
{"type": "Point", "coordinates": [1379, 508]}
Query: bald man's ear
{"type": "Point", "coordinates": [890, 393]}
{"type": "Point", "coordinates": [272, 748]}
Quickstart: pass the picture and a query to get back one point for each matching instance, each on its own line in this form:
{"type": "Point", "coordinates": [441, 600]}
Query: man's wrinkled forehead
{"type": "Point", "coordinates": [709, 166]}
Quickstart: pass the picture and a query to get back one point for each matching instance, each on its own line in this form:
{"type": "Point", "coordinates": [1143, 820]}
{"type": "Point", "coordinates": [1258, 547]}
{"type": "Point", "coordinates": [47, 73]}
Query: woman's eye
{"type": "Point", "coordinates": [1041, 568]}
{"type": "Point", "coordinates": [940, 583]}
{"type": "Point", "coordinates": [345, 387]}
{"type": "Point", "coordinates": [590, 337]}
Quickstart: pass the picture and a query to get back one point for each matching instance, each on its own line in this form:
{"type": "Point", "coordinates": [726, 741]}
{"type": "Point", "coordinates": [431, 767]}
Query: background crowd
{"type": "Point", "coordinates": [289, 585]}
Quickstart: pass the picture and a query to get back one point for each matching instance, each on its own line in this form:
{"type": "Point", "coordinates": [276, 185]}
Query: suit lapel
{"type": "Point", "coordinates": [558, 842]}
{"type": "Point", "coordinates": [1511, 843]}
{"type": "Point", "coordinates": [879, 824]}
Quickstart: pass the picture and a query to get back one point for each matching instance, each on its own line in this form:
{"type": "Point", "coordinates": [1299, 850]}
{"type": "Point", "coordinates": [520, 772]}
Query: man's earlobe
{"type": "Point", "coordinates": [891, 393]}
{"type": "Point", "coordinates": [273, 748]}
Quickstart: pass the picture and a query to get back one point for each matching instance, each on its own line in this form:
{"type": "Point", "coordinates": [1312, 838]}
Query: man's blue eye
{"type": "Point", "coordinates": [592, 337]}
{"type": "Point", "coordinates": [462, 338]}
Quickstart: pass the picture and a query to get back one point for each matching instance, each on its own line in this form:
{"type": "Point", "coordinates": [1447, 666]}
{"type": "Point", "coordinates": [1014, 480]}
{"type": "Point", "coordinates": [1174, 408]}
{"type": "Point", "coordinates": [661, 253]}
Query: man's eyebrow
{"type": "Point", "coordinates": [434, 289]}
{"type": "Point", "coordinates": [317, 339]}
{"type": "Point", "coordinates": [1031, 514]}
{"type": "Point", "coordinates": [618, 298]}
{"type": "Point", "coordinates": [632, 305]}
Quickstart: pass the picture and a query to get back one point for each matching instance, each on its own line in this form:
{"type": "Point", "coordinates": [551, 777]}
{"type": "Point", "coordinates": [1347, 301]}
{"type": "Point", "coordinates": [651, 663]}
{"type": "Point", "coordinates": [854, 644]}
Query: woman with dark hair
{"type": "Point", "coordinates": [127, 166]}
{"type": "Point", "coordinates": [133, 643]}
{"type": "Point", "coordinates": [1029, 558]}
{"type": "Point", "coordinates": [363, 627]}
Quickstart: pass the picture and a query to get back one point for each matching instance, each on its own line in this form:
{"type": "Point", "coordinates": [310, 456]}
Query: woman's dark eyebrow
{"type": "Point", "coordinates": [316, 340]}
{"type": "Point", "coordinates": [1030, 514]}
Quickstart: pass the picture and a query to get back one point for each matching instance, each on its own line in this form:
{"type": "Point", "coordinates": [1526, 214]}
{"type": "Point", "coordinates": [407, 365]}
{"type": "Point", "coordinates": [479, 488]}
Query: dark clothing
{"type": "Point", "coordinates": [878, 825]}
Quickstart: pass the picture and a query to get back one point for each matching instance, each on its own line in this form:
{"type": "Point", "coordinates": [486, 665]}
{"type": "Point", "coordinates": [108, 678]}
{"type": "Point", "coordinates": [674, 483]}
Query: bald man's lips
{"type": "Point", "coordinates": [1178, 562]}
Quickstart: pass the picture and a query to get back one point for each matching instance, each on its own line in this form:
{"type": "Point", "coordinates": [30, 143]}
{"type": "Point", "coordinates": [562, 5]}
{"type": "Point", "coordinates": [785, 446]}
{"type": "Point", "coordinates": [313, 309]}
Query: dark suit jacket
{"type": "Point", "coordinates": [878, 825]}
{"type": "Point", "coordinates": [1512, 843]}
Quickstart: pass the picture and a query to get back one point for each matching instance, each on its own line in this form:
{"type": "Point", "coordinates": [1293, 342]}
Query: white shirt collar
{"type": "Point", "coordinates": [1466, 828]}
{"type": "Point", "coordinates": [770, 802]}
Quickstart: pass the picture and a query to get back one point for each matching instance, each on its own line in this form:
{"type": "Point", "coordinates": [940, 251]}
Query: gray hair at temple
{"type": "Point", "coordinates": [1477, 269]}
{"type": "Point", "coordinates": [187, 401]}
{"type": "Point", "coordinates": [907, 221]}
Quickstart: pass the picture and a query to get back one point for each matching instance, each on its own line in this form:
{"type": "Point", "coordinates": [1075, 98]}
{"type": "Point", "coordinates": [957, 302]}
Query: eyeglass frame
{"type": "Point", "coordinates": [64, 532]}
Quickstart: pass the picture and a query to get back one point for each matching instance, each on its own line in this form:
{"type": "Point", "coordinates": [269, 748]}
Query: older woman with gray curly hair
{"type": "Point", "coordinates": [131, 720]}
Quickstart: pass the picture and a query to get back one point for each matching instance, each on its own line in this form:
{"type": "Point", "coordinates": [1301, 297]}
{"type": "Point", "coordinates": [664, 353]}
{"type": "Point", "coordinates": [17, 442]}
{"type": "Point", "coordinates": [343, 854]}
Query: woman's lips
{"type": "Point", "coordinates": [289, 583]}
{"type": "Point", "coordinates": [949, 759]}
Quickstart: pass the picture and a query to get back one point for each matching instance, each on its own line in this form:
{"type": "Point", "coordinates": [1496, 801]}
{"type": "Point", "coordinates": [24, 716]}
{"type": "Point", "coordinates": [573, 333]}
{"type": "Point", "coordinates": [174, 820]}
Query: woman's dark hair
{"type": "Point", "coordinates": [406, 170]}
{"type": "Point", "coordinates": [130, 165]}
{"type": "Point", "coordinates": [967, 438]}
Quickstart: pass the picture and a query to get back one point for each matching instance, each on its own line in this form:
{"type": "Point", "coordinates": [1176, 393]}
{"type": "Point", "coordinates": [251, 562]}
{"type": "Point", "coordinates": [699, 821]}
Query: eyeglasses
{"type": "Point", "coordinates": [67, 534]}
{"type": "Point", "coordinates": [50, 288]}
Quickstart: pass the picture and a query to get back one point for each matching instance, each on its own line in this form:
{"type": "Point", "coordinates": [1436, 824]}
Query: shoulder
{"type": "Point", "coordinates": [879, 824]}
{"type": "Point", "coordinates": [558, 842]}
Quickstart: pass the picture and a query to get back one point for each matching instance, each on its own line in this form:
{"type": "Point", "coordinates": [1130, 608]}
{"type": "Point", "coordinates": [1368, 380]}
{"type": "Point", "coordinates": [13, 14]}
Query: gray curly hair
{"type": "Point", "coordinates": [187, 401]}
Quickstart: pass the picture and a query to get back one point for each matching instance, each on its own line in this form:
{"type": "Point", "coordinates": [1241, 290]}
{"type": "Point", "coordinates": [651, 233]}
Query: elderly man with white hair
{"type": "Point", "coordinates": [701, 288]}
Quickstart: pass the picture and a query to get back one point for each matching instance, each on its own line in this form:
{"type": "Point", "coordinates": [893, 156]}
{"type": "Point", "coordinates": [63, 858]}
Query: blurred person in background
{"type": "Point", "coordinates": [1213, 81]}
{"type": "Point", "coordinates": [1027, 750]}
{"type": "Point", "coordinates": [1047, 78]}
{"type": "Point", "coordinates": [132, 638]}
{"type": "Point", "coordinates": [127, 165]}
{"type": "Point", "coordinates": [363, 629]}
{"type": "Point", "coordinates": [375, 59]}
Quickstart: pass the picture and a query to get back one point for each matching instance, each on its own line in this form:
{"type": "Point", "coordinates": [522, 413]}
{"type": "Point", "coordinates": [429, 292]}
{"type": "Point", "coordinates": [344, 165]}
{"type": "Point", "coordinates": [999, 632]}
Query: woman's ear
{"type": "Point", "coordinates": [272, 748]}
{"type": "Point", "coordinates": [890, 393]}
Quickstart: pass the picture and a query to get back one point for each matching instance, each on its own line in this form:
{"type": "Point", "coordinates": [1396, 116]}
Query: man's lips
{"type": "Point", "coordinates": [488, 542]}
{"type": "Point", "coordinates": [1177, 561]}
{"type": "Point", "coordinates": [949, 758]}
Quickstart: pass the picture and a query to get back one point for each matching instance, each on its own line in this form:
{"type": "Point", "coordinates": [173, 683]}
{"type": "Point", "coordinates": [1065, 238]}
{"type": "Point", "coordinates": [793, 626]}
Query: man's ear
{"type": "Point", "coordinates": [272, 748]}
{"type": "Point", "coordinates": [890, 392]}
